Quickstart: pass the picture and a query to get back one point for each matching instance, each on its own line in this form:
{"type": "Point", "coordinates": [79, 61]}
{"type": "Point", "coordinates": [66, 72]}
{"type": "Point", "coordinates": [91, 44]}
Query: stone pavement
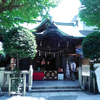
{"type": "Point", "coordinates": [53, 96]}
{"type": "Point", "coordinates": [69, 95]}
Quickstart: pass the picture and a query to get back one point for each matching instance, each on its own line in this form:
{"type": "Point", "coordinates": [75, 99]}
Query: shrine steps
{"type": "Point", "coordinates": [56, 89]}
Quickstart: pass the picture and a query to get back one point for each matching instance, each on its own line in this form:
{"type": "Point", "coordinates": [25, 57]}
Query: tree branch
{"type": "Point", "coordinates": [3, 3]}
{"type": "Point", "coordinates": [22, 58]}
{"type": "Point", "coordinates": [10, 7]}
{"type": "Point", "coordinates": [11, 3]}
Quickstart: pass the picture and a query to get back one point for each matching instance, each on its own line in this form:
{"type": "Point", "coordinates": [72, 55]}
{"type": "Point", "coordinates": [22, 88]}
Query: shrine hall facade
{"type": "Point", "coordinates": [54, 48]}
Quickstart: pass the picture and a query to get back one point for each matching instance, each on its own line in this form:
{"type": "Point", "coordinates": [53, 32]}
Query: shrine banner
{"type": "Point", "coordinates": [50, 75]}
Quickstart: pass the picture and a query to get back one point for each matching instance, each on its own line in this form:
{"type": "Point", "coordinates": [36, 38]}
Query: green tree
{"type": "Point", "coordinates": [90, 12]}
{"type": "Point", "coordinates": [91, 46]}
{"type": "Point", "coordinates": [20, 43]}
{"type": "Point", "coordinates": [91, 50]}
{"type": "Point", "coordinates": [13, 12]}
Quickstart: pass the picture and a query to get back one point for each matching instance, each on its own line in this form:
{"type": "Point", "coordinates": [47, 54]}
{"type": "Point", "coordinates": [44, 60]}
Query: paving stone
{"type": "Point", "coordinates": [44, 94]}
{"type": "Point", "coordinates": [86, 98]}
{"type": "Point", "coordinates": [35, 94]}
{"type": "Point", "coordinates": [64, 93]}
{"type": "Point", "coordinates": [73, 93]}
{"type": "Point", "coordinates": [62, 98]}
{"type": "Point", "coordinates": [54, 93]}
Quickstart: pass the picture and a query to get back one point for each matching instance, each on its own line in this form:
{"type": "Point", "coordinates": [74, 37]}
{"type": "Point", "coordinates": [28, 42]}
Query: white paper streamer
{"type": "Point", "coordinates": [67, 44]}
{"type": "Point", "coordinates": [45, 54]}
{"type": "Point", "coordinates": [40, 43]}
{"type": "Point", "coordinates": [58, 44]}
{"type": "Point", "coordinates": [39, 53]}
{"type": "Point", "coordinates": [54, 54]}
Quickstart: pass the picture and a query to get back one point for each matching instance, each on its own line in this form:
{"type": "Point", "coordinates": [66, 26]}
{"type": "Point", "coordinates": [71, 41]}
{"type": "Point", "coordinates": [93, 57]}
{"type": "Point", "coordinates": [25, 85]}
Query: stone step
{"type": "Point", "coordinates": [55, 89]}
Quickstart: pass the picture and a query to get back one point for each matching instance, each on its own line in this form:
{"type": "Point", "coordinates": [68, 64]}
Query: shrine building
{"type": "Point", "coordinates": [54, 48]}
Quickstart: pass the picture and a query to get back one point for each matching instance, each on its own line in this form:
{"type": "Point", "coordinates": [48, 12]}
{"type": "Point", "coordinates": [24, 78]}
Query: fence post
{"type": "Point", "coordinates": [30, 76]}
{"type": "Point", "coordinates": [2, 76]}
{"type": "Point", "coordinates": [89, 82]}
{"type": "Point", "coordinates": [94, 85]}
{"type": "Point", "coordinates": [9, 86]}
{"type": "Point", "coordinates": [80, 75]}
{"type": "Point", "coordinates": [24, 79]}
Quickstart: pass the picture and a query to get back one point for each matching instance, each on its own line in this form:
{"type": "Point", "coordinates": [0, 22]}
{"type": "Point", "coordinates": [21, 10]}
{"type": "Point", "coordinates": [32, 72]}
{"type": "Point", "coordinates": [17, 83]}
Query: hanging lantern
{"type": "Point", "coordinates": [40, 43]}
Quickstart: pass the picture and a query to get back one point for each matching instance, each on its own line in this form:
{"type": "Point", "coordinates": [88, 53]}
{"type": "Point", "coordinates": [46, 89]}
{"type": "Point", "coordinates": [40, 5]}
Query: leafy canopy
{"type": "Point", "coordinates": [90, 12]}
{"type": "Point", "coordinates": [14, 11]}
{"type": "Point", "coordinates": [19, 43]}
{"type": "Point", "coordinates": [91, 46]}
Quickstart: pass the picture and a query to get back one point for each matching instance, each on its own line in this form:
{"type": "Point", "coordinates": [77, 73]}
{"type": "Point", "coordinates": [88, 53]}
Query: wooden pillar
{"type": "Point", "coordinates": [64, 64]}
{"type": "Point", "coordinates": [58, 62]}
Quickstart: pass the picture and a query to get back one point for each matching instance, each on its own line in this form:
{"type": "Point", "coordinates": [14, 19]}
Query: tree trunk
{"type": "Point", "coordinates": [17, 62]}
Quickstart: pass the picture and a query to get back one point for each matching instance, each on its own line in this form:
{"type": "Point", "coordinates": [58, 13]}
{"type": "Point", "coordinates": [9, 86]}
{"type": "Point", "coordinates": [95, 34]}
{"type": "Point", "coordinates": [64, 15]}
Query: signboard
{"type": "Point", "coordinates": [85, 70]}
{"type": "Point", "coordinates": [97, 72]}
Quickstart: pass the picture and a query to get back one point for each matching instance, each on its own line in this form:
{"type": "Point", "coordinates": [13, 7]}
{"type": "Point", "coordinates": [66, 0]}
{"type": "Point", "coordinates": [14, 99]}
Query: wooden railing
{"type": "Point", "coordinates": [5, 76]}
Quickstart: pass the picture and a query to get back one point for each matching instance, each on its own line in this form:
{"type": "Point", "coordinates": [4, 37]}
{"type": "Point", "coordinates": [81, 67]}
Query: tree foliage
{"type": "Point", "coordinates": [90, 12]}
{"type": "Point", "coordinates": [14, 11]}
{"type": "Point", "coordinates": [91, 46]}
{"type": "Point", "coordinates": [19, 43]}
